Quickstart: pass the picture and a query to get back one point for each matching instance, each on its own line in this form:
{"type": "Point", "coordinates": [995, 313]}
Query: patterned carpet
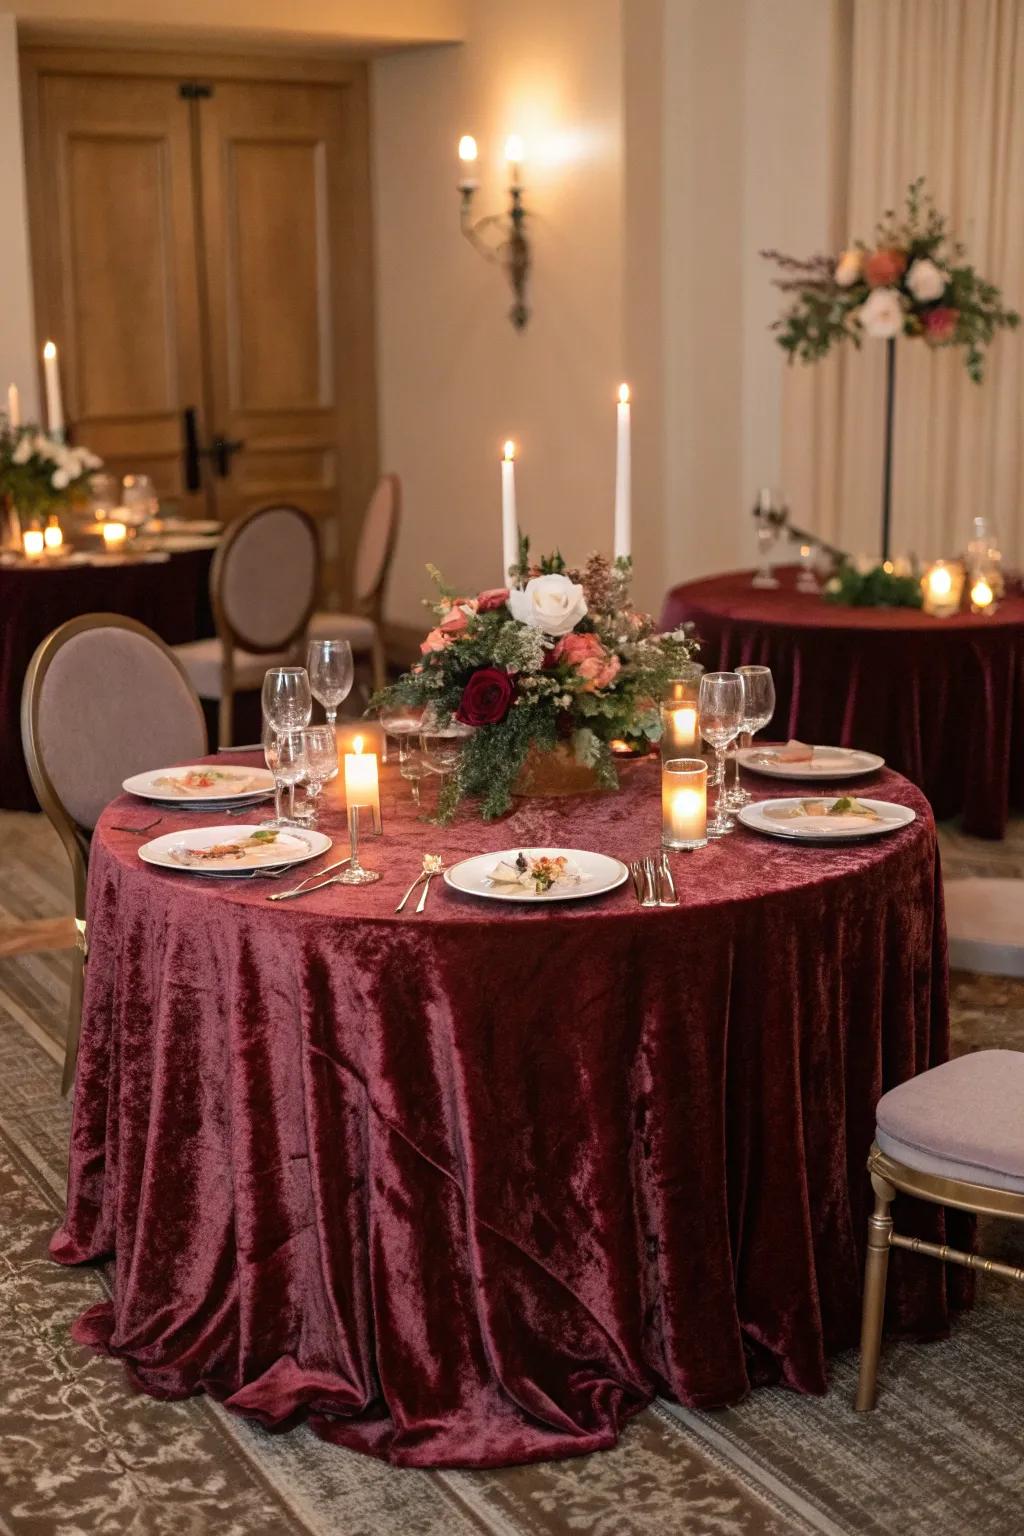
{"type": "Point", "coordinates": [81, 1454]}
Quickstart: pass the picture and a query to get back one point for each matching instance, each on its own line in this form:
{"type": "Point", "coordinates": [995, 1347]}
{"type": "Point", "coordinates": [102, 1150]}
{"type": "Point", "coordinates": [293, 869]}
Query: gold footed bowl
{"type": "Point", "coordinates": [551, 772]}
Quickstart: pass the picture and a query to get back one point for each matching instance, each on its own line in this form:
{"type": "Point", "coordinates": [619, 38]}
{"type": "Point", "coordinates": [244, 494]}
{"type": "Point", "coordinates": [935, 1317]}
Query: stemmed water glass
{"type": "Point", "coordinates": [412, 766]}
{"type": "Point", "coordinates": [720, 704]}
{"type": "Point", "coordinates": [139, 500]}
{"type": "Point", "coordinates": [758, 709]}
{"type": "Point", "coordinates": [321, 763]}
{"type": "Point", "coordinates": [442, 746]}
{"type": "Point", "coordinates": [331, 673]}
{"type": "Point", "coordinates": [287, 705]}
{"type": "Point", "coordinates": [285, 754]}
{"type": "Point", "coordinates": [403, 722]}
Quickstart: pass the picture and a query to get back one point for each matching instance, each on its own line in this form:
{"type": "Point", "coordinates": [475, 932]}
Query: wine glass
{"type": "Point", "coordinates": [412, 766]}
{"type": "Point", "coordinates": [721, 715]}
{"type": "Point", "coordinates": [329, 664]}
{"type": "Point", "coordinates": [758, 709]}
{"type": "Point", "coordinates": [139, 500]}
{"type": "Point", "coordinates": [321, 763]}
{"type": "Point", "coordinates": [286, 759]}
{"type": "Point", "coordinates": [104, 495]}
{"type": "Point", "coordinates": [287, 705]}
{"type": "Point", "coordinates": [442, 746]}
{"type": "Point", "coordinates": [402, 721]}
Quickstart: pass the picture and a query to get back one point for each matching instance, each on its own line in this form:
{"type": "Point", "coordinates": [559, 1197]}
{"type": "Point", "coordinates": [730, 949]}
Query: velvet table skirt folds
{"type": "Point", "coordinates": [942, 700]}
{"type": "Point", "coordinates": [171, 596]}
{"type": "Point", "coordinates": [469, 1188]}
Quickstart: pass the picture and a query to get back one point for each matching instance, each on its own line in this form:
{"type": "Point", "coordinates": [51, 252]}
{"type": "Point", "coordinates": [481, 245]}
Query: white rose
{"type": "Point", "coordinates": [881, 314]}
{"type": "Point", "coordinates": [23, 451]}
{"type": "Point", "coordinates": [849, 267]}
{"type": "Point", "coordinates": [926, 281]}
{"type": "Point", "coordinates": [552, 604]}
{"type": "Point", "coordinates": [60, 479]}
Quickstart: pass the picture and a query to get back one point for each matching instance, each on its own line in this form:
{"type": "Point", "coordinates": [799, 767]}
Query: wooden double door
{"type": "Point", "coordinates": [201, 245]}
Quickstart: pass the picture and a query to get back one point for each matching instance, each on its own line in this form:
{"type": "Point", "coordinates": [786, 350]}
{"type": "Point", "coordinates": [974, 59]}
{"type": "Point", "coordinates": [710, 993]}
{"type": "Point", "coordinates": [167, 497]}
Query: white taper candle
{"type": "Point", "coordinates": [13, 405]}
{"type": "Point", "coordinates": [509, 520]}
{"type": "Point", "coordinates": [623, 509]}
{"type": "Point", "coordinates": [54, 404]}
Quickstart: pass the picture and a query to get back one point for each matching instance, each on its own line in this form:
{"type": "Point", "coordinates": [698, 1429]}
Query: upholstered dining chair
{"type": "Point", "coordinates": [954, 1136]}
{"type": "Point", "coordinates": [103, 698]}
{"type": "Point", "coordinates": [374, 554]}
{"type": "Point", "coordinates": [263, 584]}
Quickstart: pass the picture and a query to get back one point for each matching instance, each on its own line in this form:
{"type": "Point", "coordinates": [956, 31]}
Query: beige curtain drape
{"type": "Point", "coordinates": [936, 88]}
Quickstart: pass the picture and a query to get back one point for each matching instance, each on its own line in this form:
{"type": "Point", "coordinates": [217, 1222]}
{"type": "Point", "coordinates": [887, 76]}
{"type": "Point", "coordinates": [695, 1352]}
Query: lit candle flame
{"type": "Point", "coordinates": [32, 542]}
{"type": "Point", "coordinates": [941, 581]}
{"type": "Point", "coordinates": [467, 149]}
{"type": "Point", "coordinates": [623, 394]}
{"type": "Point", "coordinates": [981, 593]}
{"type": "Point", "coordinates": [510, 451]}
{"type": "Point", "coordinates": [357, 745]}
{"type": "Point", "coordinates": [50, 349]}
{"type": "Point", "coordinates": [514, 150]}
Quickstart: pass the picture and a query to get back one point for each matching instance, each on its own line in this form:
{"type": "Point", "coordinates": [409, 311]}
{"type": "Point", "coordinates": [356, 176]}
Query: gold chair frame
{"type": "Point", "coordinates": [888, 1178]}
{"type": "Point", "coordinates": [76, 839]}
{"type": "Point", "coordinates": [231, 638]}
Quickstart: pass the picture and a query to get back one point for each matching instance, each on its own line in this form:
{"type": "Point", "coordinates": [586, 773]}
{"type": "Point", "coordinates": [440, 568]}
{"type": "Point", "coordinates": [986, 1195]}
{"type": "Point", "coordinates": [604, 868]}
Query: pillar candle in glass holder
{"type": "Point", "coordinates": [114, 535]}
{"type": "Point", "coordinates": [983, 599]}
{"type": "Point", "coordinates": [362, 785]}
{"type": "Point", "coordinates": [53, 536]}
{"type": "Point", "coordinates": [942, 585]}
{"type": "Point", "coordinates": [33, 543]}
{"type": "Point", "coordinates": [684, 802]}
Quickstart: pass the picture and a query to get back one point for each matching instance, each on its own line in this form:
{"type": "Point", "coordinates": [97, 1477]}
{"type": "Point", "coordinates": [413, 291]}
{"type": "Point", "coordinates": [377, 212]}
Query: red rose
{"type": "Point", "coordinates": [494, 597]}
{"type": "Point", "coordinates": [486, 697]}
{"type": "Point", "coordinates": [939, 324]}
{"type": "Point", "coordinates": [883, 269]}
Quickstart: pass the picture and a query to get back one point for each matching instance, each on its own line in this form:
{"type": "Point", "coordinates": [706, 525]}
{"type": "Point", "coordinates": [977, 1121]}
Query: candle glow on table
{"type": "Point", "coordinates": [114, 535]}
{"type": "Point", "coordinates": [54, 402]}
{"type": "Point", "coordinates": [509, 520]}
{"type": "Point", "coordinates": [13, 405]}
{"type": "Point", "coordinates": [942, 585]}
{"type": "Point", "coordinates": [684, 803]}
{"type": "Point", "coordinates": [982, 597]}
{"type": "Point", "coordinates": [362, 787]}
{"type": "Point", "coordinates": [623, 476]}
{"type": "Point", "coordinates": [678, 729]}
{"type": "Point", "coordinates": [53, 535]}
{"type": "Point", "coordinates": [33, 543]}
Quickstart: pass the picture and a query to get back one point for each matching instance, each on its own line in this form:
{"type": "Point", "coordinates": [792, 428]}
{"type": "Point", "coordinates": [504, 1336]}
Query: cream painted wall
{"type": "Point", "coordinates": [455, 378]}
{"type": "Point", "coordinates": [17, 341]}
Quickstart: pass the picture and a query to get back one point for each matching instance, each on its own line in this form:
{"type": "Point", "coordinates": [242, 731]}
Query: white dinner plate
{"type": "Point", "coordinates": [232, 785]}
{"type": "Point", "coordinates": [827, 763]}
{"type": "Point", "coordinates": [764, 816]}
{"type": "Point", "coordinates": [290, 846]}
{"type": "Point", "coordinates": [599, 873]}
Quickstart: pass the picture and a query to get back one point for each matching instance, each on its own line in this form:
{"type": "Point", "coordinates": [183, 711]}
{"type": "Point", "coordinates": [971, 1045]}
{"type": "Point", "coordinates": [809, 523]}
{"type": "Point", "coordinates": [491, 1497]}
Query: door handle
{"type": "Point", "coordinates": [221, 453]}
{"type": "Point", "coordinates": [193, 476]}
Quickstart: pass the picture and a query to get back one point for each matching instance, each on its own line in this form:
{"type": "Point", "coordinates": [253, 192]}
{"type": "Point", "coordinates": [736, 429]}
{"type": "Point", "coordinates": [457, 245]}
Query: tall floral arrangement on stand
{"type": "Point", "coordinates": [911, 280]}
{"type": "Point", "coordinates": [562, 660]}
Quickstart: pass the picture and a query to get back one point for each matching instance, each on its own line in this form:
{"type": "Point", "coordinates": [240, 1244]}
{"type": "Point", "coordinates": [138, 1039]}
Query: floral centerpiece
{"type": "Point", "coordinates": [39, 474]}
{"type": "Point", "coordinates": [560, 662]}
{"type": "Point", "coordinates": [911, 280]}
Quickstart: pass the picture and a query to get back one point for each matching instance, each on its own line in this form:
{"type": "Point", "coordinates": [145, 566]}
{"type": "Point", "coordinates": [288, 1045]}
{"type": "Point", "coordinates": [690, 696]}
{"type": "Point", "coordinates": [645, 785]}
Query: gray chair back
{"type": "Point", "coordinates": [377, 540]}
{"type": "Point", "coordinates": [263, 580]}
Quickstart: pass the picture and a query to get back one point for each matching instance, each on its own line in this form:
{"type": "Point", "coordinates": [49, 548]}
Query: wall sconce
{"type": "Point", "coordinates": [512, 250]}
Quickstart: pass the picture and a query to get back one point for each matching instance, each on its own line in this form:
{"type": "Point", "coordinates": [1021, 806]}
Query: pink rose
{"type": "Point", "coordinates": [435, 641]}
{"type": "Point", "coordinates": [588, 658]}
{"type": "Point", "coordinates": [454, 622]}
{"type": "Point", "coordinates": [939, 325]}
{"type": "Point", "coordinates": [494, 597]}
{"type": "Point", "coordinates": [884, 268]}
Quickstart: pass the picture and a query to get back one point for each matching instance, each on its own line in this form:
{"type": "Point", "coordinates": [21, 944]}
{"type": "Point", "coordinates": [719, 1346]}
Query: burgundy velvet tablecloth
{"type": "Point", "coordinates": [170, 596]}
{"type": "Point", "coordinates": [469, 1188]}
{"type": "Point", "coordinates": [942, 700]}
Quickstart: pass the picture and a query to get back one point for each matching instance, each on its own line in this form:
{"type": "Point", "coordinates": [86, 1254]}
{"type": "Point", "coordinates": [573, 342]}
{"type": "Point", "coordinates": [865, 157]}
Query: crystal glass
{"type": "Point", "coordinates": [139, 500]}
{"type": "Point", "coordinates": [806, 580]}
{"type": "Point", "coordinates": [412, 766]}
{"type": "Point", "coordinates": [329, 664]}
{"type": "Point", "coordinates": [721, 716]}
{"type": "Point", "coordinates": [321, 763]}
{"type": "Point", "coordinates": [287, 700]}
{"type": "Point", "coordinates": [104, 495]}
{"type": "Point", "coordinates": [770, 514]}
{"type": "Point", "coordinates": [758, 709]}
{"type": "Point", "coordinates": [402, 722]}
{"type": "Point", "coordinates": [289, 768]}
{"type": "Point", "coordinates": [442, 746]}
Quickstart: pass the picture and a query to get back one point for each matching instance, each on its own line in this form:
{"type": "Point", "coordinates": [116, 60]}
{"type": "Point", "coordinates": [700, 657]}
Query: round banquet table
{"type": "Point", "coordinates": [469, 1188]}
{"type": "Point", "coordinates": [942, 700]}
{"type": "Point", "coordinates": [169, 593]}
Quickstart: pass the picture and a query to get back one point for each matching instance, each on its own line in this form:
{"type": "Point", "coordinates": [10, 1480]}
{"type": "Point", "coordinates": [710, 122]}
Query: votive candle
{"type": "Point", "coordinates": [942, 585]}
{"type": "Point", "coordinates": [684, 803]}
{"type": "Point", "coordinates": [53, 536]}
{"type": "Point", "coordinates": [679, 733]}
{"type": "Point", "coordinates": [362, 784]}
{"type": "Point", "coordinates": [33, 543]}
{"type": "Point", "coordinates": [982, 597]}
{"type": "Point", "coordinates": [114, 535]}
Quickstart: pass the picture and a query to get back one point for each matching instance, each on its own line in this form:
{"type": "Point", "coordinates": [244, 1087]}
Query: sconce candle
{"type": "Point", "coordinates": [623, 509]}
{"type": "Point", "coordinates": [54, 403]}
{"type": "Point", "coordinates": [467, 159]}
{"type": "Point", "coordinates": [509, 520]}
{"type": "Point", "coordinates": [114, 535]}
{"type": "Point", "coordinates": [32, 543]}
{"type": "Point", "coordinates": [514, 156]}
{"type": "Point", "coordinates": [53, 536]}
{"type": "Point", "coordinates": [684, 803]}
{"type": "Point", "coordinates": [942, 585]}
{"type": "Point", "coordinates": [982, 597]}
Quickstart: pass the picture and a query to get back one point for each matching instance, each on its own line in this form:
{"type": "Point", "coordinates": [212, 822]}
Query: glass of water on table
{"type": "Point", "coordinates": [758, 709]}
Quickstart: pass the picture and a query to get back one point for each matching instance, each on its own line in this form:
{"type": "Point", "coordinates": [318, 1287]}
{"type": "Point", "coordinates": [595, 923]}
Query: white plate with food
{"type": "Point", "coordinates": [200, 782]}
{"type": "Point", "coordinates": [537, 875]}
{"type": "Point", "coordinates": [233, 850]}
{"type": "Point", "coordinates": [838, 819]}
{"type": "Point", "coordinates": [797, 761]}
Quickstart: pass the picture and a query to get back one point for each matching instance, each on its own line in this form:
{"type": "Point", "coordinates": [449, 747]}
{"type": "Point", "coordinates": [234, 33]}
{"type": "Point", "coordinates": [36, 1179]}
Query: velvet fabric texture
{"type": "Point", "coordinates": [468, 1188]}
{"type": "Point", "coordinates": [942, 700]}
{"type": "Point", "coordinates": [170, 596]}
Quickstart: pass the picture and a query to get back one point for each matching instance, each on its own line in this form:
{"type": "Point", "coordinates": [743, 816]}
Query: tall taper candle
{"type": "Point", "coordinates": [13, 405]}
{"type": "Point", "coordinates": [623, 509]}
{"type": "Point", "coordinates": [509, 521]}
{"type": "Point", "coordinates": [54, 404]}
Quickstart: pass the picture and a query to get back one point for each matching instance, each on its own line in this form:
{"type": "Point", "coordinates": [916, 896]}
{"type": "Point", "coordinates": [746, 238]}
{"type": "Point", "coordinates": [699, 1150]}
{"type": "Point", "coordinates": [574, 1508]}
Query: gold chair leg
{"type": "Point", "coordinates": [74, 1013]}
{"type": "Point", "coordinates": [875, 1273]}
{"type": "Point", "coordinates": [226, 719]}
